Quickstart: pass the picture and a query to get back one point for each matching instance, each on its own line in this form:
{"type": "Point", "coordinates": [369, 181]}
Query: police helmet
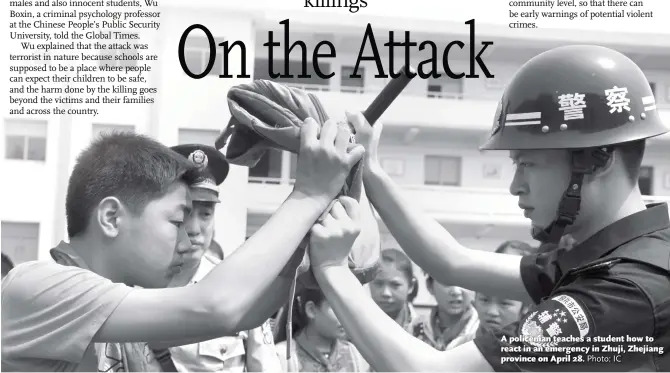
{"type": "Point", "coordinates": [584, 98]}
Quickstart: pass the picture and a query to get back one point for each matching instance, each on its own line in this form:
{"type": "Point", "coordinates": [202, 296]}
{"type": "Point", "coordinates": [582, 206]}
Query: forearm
{"type": "Point", "coordinates": [269, 302]}
{"type": "Point", "coordinates": [236, 285]}
{"type": "Point", "coordinates": [436, 251]}
{"type": "Point", "coordinates": [428, 244]}
{"type": "Point", "coordinates": [273, 298]}
{"type": "Point", "coordinates": [382, 342]}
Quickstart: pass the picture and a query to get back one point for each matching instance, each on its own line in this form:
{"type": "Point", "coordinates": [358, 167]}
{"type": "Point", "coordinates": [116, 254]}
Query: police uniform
{"type": "Point", "coordinates": [613, 288]}
{"type": "Point", "coordinates": [251, 351]}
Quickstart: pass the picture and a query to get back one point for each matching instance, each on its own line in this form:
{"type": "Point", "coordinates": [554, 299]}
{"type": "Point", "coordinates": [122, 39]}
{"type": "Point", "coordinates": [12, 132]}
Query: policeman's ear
{"type": "Point", "coordinates": [109, 216]}
{"type": "Point", "coordinates": [606, 170]}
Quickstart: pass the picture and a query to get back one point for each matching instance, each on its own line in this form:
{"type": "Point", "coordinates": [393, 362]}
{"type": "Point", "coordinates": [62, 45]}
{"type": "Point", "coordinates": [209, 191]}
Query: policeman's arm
{"type": "Point", "coordinates": [228, 299]}
{"type": "Point", "coordinates": [382, 342]}
{"type": "Point", "coordinates": [435, 250]}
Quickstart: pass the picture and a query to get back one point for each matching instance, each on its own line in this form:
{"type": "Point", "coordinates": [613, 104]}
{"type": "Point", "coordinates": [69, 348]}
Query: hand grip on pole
{"type": "Point", "coordinates": [390, 92]}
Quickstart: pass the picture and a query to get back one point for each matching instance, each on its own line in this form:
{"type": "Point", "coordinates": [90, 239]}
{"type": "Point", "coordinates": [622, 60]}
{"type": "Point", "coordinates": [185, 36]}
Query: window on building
{"type": "Point", "coordinates": [448, 88]}
{"type": "Point", "coordinates": [452, 87]}
{"type": "Point", "coordinates": [99, 129]}
{"type": "Point", "coordinates": [349, 84]}
{"type": "Point", "coordinates": [262, 71]}
{"type": "Point", "coordinates": [646, 180]}
{"type": "Point", "coordinates": [442, 170]}
{"type": "Point", "coordinates": [196, 55]}
{"type": "Point", "coordinates": [197, 136]}
{"type": "Point", "coordinates": [268, 168]}
{"type": "Point", "coordinates": [434, 90]}
{"type": "Point", "coordinates": [25, 139]}
{"type": "Point", "coordinates": [20, 241]}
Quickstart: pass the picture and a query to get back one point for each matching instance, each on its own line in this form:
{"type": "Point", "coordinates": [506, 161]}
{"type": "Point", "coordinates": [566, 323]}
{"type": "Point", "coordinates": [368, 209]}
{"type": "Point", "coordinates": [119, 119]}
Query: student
{"type": "Point", "coordinates": [319, 343]}
{"type": "Point", "coordinates": [577, 173]}
{"type": "Point", "coordinates": [453, 321]}
{"type": "Point", "coordinates": [250, 351]}
{"type": "Point", "coordinates": [495, 312]}
{"type": "Point", "coordinates": [126, 203]}
{"type": "Point", "coordinates": [393, 287]}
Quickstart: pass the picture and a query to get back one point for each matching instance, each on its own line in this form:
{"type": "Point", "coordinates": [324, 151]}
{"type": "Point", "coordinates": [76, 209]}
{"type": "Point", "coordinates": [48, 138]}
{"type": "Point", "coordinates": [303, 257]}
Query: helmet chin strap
{"type": "Point", "coordinates": [584, 161]}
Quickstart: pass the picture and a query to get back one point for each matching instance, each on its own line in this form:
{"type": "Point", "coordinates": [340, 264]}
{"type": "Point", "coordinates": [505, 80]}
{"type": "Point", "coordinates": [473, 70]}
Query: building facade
{"type": "Point", "coordinates": [429, 145]}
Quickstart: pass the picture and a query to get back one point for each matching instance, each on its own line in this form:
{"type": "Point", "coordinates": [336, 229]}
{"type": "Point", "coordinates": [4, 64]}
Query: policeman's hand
{"type": "Point", "coordinates": [325, 159]}
{"type": "Point", "coordinates": [366, 135]}
{"type": "Point", "coordinates": [333, 236]}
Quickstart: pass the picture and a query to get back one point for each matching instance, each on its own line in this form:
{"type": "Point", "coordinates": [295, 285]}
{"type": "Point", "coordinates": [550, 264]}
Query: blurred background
{"type": "Point", "coordinates": [430, 140]}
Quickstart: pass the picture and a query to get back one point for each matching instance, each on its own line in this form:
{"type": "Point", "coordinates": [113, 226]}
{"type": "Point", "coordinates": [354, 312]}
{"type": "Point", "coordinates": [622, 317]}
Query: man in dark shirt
{"type": "Point", "coordinates": [575, 120]}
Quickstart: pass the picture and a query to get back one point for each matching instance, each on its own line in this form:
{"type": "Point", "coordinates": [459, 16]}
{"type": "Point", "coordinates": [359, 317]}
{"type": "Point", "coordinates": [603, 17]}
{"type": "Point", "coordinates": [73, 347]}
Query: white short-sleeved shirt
{"type": "Point", "coordinates": [50, 314]}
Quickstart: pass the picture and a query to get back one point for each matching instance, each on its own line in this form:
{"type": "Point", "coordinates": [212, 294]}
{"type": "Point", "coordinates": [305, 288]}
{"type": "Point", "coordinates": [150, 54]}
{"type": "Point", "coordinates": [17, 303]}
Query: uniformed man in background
{"type": "Point", "coordinates": [251, 351]}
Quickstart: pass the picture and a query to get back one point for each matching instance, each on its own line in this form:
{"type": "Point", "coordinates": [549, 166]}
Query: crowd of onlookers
{"type": "Point", "coordinates": [458, 316]}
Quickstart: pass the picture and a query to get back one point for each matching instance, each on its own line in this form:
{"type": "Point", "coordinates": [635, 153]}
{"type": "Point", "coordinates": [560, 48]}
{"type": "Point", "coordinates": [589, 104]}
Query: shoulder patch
{"type": "Point", "coordinates": [559, 321]}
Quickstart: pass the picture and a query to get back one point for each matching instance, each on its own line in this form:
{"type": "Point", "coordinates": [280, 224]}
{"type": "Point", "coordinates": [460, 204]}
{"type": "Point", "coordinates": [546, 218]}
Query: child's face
{"type": "Point", "coordinates": [326, 323]}
{"type": "Point", "coordinates": [452, 300]}
{"type": "Point", "coordinates": [390, 289]}
{"type": "Point", "coordinates": [495, 312]}
{"type": "Point", "coordinates": [150, 248]}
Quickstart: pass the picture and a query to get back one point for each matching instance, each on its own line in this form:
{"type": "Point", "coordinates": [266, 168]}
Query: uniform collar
{"type": "Point", "coordinates": [652, 219]}
{"type": "Point", "coordinates": [64, 254]}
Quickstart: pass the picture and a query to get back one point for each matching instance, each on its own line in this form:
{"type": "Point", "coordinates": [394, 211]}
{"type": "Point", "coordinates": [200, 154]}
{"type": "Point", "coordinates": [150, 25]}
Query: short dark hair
{"type": "Point", "coordinates": [300, 319]}
{"type": "Point", "coordinates": [131, 167]}
{"type": "Point", "coordinates": [631, 155]}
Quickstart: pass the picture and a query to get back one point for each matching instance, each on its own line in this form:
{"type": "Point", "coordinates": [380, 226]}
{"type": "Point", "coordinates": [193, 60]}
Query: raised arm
{"type": "Point", "coordinates": [233, 296]}
{"type": "Point", "coordinates": [428, 243]}
{"type": "Point", "coordinates": [384, 344]}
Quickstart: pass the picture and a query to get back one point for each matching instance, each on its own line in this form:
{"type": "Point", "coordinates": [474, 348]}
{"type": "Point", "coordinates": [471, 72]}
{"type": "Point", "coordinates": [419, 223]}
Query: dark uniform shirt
{"type": "Point", "coordinates": [603, 305]}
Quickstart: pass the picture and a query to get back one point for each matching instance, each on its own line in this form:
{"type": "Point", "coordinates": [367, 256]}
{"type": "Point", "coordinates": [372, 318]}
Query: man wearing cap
{"type": "Point", "coordinates": [575, 120]}
{"type": "Point", "coordinates": [253, 350]}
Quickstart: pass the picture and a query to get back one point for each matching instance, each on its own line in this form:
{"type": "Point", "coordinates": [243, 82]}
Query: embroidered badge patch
{"type": "Point", "coordinates": [559, 321]}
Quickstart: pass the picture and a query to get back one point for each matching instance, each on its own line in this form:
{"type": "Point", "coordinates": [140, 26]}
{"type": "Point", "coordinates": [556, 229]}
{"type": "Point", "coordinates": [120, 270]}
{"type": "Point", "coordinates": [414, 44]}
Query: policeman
{"type": "Point", "coordinates": [251, 351]}
{"type": "Point", "coordinates": [575, 120]}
